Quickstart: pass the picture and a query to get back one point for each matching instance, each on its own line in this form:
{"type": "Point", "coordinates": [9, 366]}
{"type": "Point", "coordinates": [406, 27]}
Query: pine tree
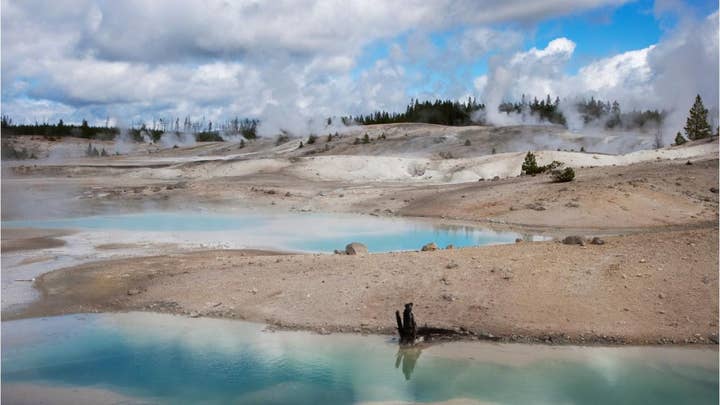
{"type": "Point", "coordinates": [530, 166]}
{"type": "Point", "coordinates": [679, 139]}
{"type": "Point", "coordinates": [697, 126]}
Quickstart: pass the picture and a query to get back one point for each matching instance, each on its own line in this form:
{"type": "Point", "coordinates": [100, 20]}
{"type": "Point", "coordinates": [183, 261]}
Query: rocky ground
{"type": "Point", "coordinates": [654, 281]}
{"type": "Point", "coordinates": [647, 288]}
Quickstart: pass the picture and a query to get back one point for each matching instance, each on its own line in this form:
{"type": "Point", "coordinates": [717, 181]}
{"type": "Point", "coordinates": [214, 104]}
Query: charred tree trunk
{"type": "Point", "coordinates": [407, 328]}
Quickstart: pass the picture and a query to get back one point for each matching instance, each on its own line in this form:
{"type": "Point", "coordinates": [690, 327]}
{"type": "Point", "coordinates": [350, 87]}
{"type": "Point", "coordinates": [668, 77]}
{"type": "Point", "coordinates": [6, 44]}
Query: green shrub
{"type": "Point", "coordinates": [530, 166]}
{"type": "Point", "coordinates": [563, 176]}
{"type": "Point", "coordinates": [679, 139]}
{"type": "Point", "coordinates": [311, 139]}
{"type": "Point", "coordinates": [208, 136]}
{"type": "Point", "coordinates": [552, 166]}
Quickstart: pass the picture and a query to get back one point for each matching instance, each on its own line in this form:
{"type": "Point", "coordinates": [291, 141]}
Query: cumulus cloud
{"type": "Point", "coordinates": [664, 76]}
{"type": "Point", "coordinates": [286, 62]}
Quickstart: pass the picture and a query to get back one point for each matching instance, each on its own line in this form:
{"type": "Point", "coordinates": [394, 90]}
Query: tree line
{"type": "Point", "coordinates": [441, 112]}
{"type": "Point", "coordinates": [140, 132]}
{"type": "Point", "coordinates": [455, 113]}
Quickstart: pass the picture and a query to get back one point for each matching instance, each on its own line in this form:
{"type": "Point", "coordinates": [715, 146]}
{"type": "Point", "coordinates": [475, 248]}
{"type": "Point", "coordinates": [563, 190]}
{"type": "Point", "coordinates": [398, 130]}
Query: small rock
{"type": "Point", "coordinates": [356, 248]}
{"type": "Point", "coordinates": [518, 240]}
{"type": "Point", "coordinates": [448, 297]}
{"type": "Point", "coordinates": [452, 266]}
{"type": "Point", "coordinates": [535, 206]}
{"type": "Point", "coordinates": [194, 314]}
{"type": "Point", "coordinates": [643, 261]}
{"type": "Point", "coordinates": [689, 163]}
{"type": "Point", "coordinates": [714, 190]}
{"type": "Point", "coordinates": [661, 295]}
{"type": "Point", "coordinates": [254, 290]}
{"type": "Point", "coordinates": [133, 291]}
{"type": "Point", "coordinates": [574, 240]}
{"type": "Point", "coordinates": [429, 247]}
{"type": "Point", "coordinates": [597, 241]}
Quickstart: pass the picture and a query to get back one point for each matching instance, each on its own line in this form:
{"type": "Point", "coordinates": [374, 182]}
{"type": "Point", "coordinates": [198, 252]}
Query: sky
{"type": "Point", "coordinates": [292, 63]}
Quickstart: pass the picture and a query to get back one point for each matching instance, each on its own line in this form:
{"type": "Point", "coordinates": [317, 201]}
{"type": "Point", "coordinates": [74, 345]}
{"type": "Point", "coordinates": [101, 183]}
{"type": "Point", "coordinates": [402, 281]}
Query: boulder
{"type": "Point", "coordinates": [574, 240]}
{"type": "Point", "coordinates": [429, 247]}
{"type": "Point", "coordinates": [356, 248]}
{"type": "Point", "coordinates": [597, 241]}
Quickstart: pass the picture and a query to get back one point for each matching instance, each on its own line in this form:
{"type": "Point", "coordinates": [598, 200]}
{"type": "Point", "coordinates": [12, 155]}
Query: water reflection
{"type": "Point", "coordinates": [407, 356]}
{"type": "Point", "coordinates": [152, 357]}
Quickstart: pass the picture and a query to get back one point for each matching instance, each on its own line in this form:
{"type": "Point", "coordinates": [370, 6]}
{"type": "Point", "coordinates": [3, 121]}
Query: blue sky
{"type": "Point", "coordinates": [137, 60]}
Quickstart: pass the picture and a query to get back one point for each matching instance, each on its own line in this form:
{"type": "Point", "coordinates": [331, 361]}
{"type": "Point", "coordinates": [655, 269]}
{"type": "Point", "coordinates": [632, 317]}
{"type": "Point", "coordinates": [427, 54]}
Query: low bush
{"type": "Point", "coordinates": [564, 175]}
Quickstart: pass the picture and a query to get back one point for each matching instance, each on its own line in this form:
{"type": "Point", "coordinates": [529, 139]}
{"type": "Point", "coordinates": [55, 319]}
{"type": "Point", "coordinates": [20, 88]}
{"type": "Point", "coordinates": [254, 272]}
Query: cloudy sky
{"type": "Point", "coordinates": [287, 61]}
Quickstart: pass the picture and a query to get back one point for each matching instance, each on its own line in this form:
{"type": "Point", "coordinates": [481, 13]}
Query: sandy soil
{"type": "Point", "coordinates": [31, 239]}
{"type": "Point", "coordinates": [649, 288]}
{"type": "Point", "coordinates": [39, 394]}
{"type": "Point", "coordinates": [657, 283]}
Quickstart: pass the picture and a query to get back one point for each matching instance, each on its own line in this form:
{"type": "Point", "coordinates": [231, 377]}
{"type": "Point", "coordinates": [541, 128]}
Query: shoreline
{"type": "Point", "coordinates": [239, 292]}
{"type": "Point", "coordinates": [461, 337]}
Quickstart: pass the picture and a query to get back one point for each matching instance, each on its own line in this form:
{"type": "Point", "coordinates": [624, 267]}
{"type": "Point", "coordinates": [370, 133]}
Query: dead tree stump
{"type": "Point", "coordinates": [407, 328]}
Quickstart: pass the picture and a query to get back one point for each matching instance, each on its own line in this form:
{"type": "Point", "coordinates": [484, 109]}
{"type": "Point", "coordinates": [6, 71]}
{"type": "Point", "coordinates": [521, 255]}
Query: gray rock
{"type": "Point", "coordinates": [356, 248]}
{"type": "Point", "coordinates": [133, 291]}
{"type": "Point", "coordinates": [535, 206]}
{"type": "Point", "coordinates": [574, 240]}
{"type": "Point", "coordinates": [597, 241]}
{"type": "Point", "coordinates": [429, 247]}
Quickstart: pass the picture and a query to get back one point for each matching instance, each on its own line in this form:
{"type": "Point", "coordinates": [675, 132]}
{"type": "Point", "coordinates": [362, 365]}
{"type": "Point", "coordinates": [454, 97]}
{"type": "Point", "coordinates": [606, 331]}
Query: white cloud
{"type": "Point", "coordinates": [285, 61]}
{"type": "Point", "coordinates": [625, 69]}
{"type": "Point", "coordinates": [664, 76]}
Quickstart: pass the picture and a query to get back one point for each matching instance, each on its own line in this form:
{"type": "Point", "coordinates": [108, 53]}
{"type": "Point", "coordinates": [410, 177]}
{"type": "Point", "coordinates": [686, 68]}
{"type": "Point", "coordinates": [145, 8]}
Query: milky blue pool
{"type": "Point", "coordinates": [303, 232]}
{"type": "Point", "coordinates": [175, 360]}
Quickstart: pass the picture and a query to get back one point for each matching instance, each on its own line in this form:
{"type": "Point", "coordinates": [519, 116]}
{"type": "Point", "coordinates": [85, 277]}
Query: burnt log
{"type": "Point", "coordinates": [407, 327]}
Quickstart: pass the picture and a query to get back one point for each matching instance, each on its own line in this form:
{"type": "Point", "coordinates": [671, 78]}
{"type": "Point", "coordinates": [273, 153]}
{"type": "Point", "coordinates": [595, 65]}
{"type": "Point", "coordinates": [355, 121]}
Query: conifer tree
{"type": "Point", "coordinates": [697, 126]}
{"type": "Point", "coordinates": [679, 139]}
